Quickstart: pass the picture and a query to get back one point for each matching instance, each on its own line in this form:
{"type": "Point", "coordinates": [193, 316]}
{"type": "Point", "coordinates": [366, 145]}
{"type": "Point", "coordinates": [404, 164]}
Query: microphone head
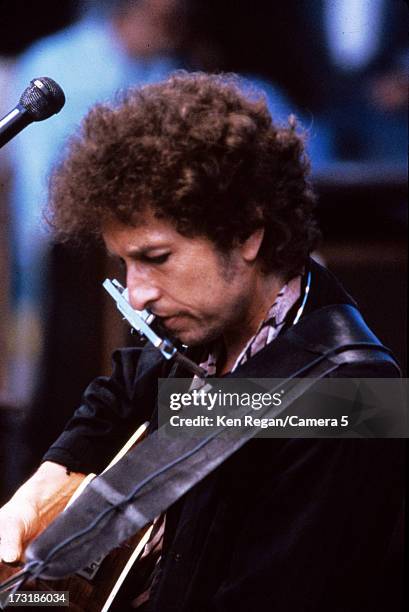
{"type": "Point", "coordinates": [42, 98]}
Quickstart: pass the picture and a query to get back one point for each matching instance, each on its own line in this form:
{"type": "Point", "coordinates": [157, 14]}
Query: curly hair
{"type": "Point", "coordinates": [200, 153]}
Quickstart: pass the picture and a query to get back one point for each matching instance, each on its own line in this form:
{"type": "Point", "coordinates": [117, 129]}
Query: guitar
{"type": "Point", "coordinates": [100, 586]}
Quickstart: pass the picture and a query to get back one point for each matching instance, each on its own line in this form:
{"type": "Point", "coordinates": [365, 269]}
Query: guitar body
{"type": "Point", "coordinates": [91, 590]}
{"type": "Point", "coordinates": [101, 586]}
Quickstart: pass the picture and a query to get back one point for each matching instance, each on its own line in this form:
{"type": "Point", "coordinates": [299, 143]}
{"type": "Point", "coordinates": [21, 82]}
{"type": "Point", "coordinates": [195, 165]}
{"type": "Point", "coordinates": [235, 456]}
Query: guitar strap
{"type": "Point", "coordinates": [163, 467]}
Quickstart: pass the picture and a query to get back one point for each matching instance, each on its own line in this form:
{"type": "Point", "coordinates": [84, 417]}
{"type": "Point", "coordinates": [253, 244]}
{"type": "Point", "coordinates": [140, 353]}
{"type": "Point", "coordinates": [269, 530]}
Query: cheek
{"type": "Point", "coordinates": [194, 294]}
{"type": "Point", "coordinates": [202, 286]}
{"type": "Point", "coordinates": [189, 284]}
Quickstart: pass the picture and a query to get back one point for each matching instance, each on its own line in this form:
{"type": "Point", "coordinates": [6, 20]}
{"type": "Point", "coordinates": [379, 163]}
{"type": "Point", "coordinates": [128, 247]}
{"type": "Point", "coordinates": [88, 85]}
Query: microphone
{"type": "Point", "coordinates": [42, 98]}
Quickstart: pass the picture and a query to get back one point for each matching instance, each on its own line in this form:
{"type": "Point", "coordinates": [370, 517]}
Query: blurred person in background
{"type": "Point", "coordinates": [279, 47]}
{"type": "Point", "coordinates": [327, 55]}
{"type": "Point", "coordinates": [368, 53]}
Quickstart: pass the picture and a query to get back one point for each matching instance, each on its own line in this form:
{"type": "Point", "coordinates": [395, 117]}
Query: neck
{"type": "Point", "coordinates": [235, 338]}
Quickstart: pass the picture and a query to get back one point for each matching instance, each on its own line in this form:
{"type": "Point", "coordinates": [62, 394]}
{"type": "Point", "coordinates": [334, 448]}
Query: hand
{"type": "Point", "coordinates": [33, 507]}
{"type": "Point", "coordinates": [19, 524]}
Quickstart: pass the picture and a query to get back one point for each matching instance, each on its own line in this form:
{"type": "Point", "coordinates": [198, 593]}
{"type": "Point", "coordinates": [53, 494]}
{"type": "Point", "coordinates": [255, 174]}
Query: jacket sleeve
{"type": "Point", "coordinates": [112, 408]}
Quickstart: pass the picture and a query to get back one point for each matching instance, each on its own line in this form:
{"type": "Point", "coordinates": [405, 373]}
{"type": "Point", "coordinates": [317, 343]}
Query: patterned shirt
{"type": "Point", "coordinates": [267, 331]}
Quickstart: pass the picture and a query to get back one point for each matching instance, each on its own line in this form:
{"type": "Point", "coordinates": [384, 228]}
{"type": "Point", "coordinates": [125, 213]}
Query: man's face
{"type": "Point", "coordinates": [199, 293]}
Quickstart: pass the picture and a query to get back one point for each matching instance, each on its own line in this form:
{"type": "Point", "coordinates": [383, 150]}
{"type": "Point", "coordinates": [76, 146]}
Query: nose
{"type": "Point", "coordinates": [142, 292]}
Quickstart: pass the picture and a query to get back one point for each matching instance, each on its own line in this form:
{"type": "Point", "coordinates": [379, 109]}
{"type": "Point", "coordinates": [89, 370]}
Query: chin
{"type": "Point", "coordinates": [195, 337]}
{"type": "Point", "coordinates": [190, 332]}
{"type": "Point", "coordinates": [187, 337]}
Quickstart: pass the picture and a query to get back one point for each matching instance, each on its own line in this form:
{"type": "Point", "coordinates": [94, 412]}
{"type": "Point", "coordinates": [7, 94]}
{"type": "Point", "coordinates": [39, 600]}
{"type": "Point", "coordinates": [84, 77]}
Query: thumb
{"type": "Point", "coordinates": [11, 535]}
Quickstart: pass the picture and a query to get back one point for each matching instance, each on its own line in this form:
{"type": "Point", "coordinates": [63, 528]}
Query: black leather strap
{"type": "Point", "coordinates": [148, 480]}
{"type": "Point", "coordinates": [337, 333]}
{"type": "Point", "coordinates": [339, 329]}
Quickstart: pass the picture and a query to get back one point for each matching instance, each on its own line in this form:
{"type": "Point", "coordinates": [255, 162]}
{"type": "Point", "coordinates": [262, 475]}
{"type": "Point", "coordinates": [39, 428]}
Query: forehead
{"type": "Point", "coordinates": [151, 233]}
{"type": "Point", "coordinates": [147, 232]}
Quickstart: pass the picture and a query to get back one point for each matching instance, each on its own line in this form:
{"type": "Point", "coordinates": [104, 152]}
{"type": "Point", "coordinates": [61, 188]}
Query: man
{"type": "Point", "coordinates": [207, 204]}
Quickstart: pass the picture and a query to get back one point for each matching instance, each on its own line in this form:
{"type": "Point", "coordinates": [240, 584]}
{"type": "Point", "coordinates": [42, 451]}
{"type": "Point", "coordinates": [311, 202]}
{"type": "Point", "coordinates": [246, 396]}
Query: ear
{"type": "Point", "coordinates": [251, 246]}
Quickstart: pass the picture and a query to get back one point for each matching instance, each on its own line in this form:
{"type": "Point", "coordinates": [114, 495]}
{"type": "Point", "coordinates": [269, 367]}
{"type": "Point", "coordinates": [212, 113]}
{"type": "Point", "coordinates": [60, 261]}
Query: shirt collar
{"type": "Point", "coordinates": [268, 330]}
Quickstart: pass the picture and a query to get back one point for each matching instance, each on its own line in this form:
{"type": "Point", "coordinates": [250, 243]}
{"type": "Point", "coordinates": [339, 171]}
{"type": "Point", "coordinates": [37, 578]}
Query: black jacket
{"type": "Point", "coordinates": [284, 524]}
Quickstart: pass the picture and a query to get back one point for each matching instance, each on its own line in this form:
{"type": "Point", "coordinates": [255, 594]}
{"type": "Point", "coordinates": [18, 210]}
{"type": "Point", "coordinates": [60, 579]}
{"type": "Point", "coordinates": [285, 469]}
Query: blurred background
{"type": "Point", "coordinates": [340, 65]}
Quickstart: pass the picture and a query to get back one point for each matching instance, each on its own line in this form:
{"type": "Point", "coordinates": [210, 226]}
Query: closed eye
{"type": "Point", "coordinates": [155, 259]}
